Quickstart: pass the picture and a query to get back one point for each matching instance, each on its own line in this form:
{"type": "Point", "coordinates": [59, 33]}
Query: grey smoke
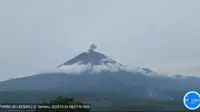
{"type": "Point", "coordinates": [93, 46]}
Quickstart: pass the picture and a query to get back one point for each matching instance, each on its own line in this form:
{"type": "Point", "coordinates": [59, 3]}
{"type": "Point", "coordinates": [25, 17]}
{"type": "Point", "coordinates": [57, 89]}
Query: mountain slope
{"type": "Point", "coordinates": [104, 82]}
{"type": "Point", "coordinates": [91, 76]}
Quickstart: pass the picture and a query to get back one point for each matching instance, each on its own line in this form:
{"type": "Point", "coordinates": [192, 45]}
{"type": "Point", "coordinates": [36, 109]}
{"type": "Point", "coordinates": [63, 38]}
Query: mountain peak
{"type": "Point", "coordinates": [92, 60]}
{"type": "Point", "coordinates": [91, 57]}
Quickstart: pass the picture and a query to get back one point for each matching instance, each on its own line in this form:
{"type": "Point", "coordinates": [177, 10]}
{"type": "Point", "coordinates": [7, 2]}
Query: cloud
{"type": "Point", "coordinates": [78, 68]}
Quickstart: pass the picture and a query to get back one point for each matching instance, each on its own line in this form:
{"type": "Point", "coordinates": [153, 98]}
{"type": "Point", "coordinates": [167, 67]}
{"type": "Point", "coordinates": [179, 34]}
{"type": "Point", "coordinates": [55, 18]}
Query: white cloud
{"type": "Point", "coordinates": [78, 68]}
{"type": "Point", "coordinates": [74, 68]}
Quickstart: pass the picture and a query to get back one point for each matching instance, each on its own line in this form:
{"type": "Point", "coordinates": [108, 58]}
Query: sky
{"type": "Point", "coordinates": [37, 35]}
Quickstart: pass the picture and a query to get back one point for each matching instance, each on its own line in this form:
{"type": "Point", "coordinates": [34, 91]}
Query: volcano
{"type": "Point", "coordinates": [92, 61]}
{"type": "Point", "coordinates": [91, 57]}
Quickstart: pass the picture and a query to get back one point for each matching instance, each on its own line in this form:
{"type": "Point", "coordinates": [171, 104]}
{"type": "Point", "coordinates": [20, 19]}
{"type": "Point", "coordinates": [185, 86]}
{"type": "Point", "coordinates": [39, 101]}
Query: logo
{"type": "Point", "coordinates": [191, 100]}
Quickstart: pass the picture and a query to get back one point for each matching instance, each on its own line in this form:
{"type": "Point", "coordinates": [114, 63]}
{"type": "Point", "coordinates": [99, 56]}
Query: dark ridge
{"type": "Point", "coordinates": [178, 76]}
{"type": "Point", "coordinates": [147, 70]}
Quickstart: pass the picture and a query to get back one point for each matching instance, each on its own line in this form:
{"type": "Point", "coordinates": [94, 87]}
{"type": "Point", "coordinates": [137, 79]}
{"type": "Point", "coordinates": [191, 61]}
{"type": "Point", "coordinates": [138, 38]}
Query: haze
{"type": "Point", "coordinates": [162, 35]}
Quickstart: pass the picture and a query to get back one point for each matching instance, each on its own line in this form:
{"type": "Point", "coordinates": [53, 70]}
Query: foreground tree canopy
{"type": "Point", "coordinates": [64, 101]}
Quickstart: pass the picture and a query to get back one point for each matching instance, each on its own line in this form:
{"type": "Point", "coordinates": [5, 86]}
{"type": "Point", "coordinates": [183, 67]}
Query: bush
{"type": "Point", "coordinates": [63, 101]}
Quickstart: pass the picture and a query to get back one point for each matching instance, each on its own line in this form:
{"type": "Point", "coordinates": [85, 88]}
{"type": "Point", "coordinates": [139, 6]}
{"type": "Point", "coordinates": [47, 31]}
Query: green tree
{"type": "Point", "coordinates": [64, 101]}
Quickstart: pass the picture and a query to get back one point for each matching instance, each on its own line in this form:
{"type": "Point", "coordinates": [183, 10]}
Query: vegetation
{"type": "Point", "coordinates": [99, 101]}
{"type": "Point", "coordinates": [63, 104]}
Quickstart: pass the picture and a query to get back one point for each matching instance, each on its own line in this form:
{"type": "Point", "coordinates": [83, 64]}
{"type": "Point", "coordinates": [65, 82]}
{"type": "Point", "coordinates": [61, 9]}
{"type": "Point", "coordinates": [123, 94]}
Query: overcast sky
{"type": "Point", "coordinates": [163, 35]}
